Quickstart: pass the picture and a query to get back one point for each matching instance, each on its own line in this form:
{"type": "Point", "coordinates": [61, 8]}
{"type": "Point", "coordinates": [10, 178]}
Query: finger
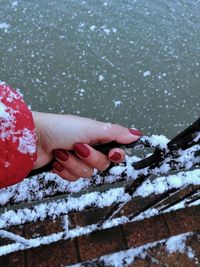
{"type": "Point", "coordinates": [121, 134]}
{"type": "Point", "coordinates": [116, 155]}
{"type": "Point", "coordinates": [63, 173]}
{"type": "Point", "coordinates": [72, 164]}
{"type": "Point", "coordinates": [91, 157]}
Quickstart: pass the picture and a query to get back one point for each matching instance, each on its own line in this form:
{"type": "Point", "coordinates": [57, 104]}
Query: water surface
{"type": "Point", "coordinates": [131, 62]}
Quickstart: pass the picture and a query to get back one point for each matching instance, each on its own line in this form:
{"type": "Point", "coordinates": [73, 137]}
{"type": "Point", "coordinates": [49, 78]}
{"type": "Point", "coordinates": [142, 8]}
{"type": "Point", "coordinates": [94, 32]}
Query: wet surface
{"type": "Point", "coordinates": [131, 62]}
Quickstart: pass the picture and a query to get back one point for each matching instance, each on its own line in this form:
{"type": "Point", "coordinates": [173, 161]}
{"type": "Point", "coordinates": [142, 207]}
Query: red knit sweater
{"type": "Point", "coordinates": [17, 138]}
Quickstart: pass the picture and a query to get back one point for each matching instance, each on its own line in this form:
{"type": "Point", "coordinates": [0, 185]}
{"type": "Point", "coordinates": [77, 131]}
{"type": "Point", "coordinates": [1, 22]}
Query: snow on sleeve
{"type": "Point", "coordinates": [17, 137]}
{"type": "Point", "coordinates": [25, 137]}
{"type": "Point", "coordinates": [7, 121]}
{"type": "Point", "coordinates": [3, 112]}
{"type": "Point", "coordinates": [27, 142]}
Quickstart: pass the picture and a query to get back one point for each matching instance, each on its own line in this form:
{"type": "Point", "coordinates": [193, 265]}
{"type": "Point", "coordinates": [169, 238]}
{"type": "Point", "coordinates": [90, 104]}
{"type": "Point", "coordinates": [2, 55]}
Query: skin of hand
{"type": "Point", "coordinates": [58, 134]}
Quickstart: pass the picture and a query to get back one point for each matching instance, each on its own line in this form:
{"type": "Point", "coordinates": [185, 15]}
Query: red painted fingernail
{"type": "Point", "coordinates": [82, 150]}
{"type": "Point", "coordinates": [61, 155]}
{"type": "Point", "coordinates": [58, 166]}
{"type": "Point", "coordinates": [135, 132]}
{"type": "Point", "coordinates": [116, 156]}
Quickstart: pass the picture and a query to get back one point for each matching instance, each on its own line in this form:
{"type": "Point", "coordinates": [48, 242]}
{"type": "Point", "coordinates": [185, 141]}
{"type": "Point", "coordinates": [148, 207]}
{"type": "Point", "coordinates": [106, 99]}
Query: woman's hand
{"type": "Point", "coordinates": [61, 133]}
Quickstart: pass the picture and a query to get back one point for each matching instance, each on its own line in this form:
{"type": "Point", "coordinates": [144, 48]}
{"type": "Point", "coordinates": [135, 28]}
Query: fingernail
{"type": "Point", "coordinates": [61, 155]}
{"type": "Point", "coordinates": [82, 150]}
{"type": "Point", "coordinates": [116, 156]}
{"type": "Point", "coordinates": [135, 132]}
{"type": "Point", "coordinates": [57, 166]}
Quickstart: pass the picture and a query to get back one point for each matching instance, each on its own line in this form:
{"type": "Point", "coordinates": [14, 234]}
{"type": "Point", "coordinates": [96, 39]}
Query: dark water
{"type": "Point", "coordinates": [132, 62]}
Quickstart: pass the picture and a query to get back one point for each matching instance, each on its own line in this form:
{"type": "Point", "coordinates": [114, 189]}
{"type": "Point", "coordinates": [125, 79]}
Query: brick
{"type": "Point", "coordinates": [142, 232]}
{"type": "Point", "coordinates": [183, 220]}
{"type": "Point", "coordinates": [164, 258]}
{"type": "Point", "coordinates": [87, 217]}
{"type": "Point", "coordinates": [43, 228]}
{"type": "Point", "coordinates": [56, 254]}
{"type": "Point", "coordinates": [140, 262]}
{"type": "Point", "coordinates": [181, 193]}
{"type": "Point", "coordinates": [100, 243]}
{"type": "Point", "coordinates": [158, 256]}
{"type": "Point", "coordinates": [95, 215]}
{"type": "Point", "coordinates": [137, 204]}
{"type": "Point", "coordinates": [14, 259]}
{"type": "Point", "coordinates": [193, 242]}
{"type": "Point", "coordinates": [18, 230]}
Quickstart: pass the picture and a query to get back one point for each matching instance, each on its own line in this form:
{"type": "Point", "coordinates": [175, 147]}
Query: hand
{"type": "Point", "coordinates": [58, 134]}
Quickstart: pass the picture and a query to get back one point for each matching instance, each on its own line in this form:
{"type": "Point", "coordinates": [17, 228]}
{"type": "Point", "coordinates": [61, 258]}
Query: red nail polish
{"type": "Point", "coordinates": [135, 132]}
{"type": "Point", "coordinates": [58, 166]}
{"type": "Point", "coordinates": [116, 156]}
{"type": "Point", "coordinates": [82, 150]}
{"type": "Point", "coordinates": [61, 155]}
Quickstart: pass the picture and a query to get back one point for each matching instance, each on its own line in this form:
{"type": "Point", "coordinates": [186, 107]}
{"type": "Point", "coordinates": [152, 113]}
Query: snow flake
{"type": "Point", "coordinates": [27, 142]}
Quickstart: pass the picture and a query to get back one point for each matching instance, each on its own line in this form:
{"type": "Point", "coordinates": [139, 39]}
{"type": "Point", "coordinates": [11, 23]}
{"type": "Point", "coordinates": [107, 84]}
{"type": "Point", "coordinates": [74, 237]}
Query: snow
{"type": "Point", "coordinates": [25, 137]}
{"type": "Point", "coordinates": [146, 73]}
{"type": "Point", "coordinates": [117, 103]}
{"type": "Point", "coordinates": [126, 257]}
{"type": "Point", "coordinates": [4, 114]}
{"type": "Point", "coordinates": [12, 96]}
{"type": "Point", "coordinates": [4, 25]}
{"type": "Point", "coordinates": [101, 78]}
{"type": "Point", "coordinates": [157, 141]}
{"type": "Point", "coordinates": [58, 207]}
{"type": "Point", "coordinates": [178, 244]}
{"type": "Point", "coordinates": [27, 142]}
{"type": "Point", "coordinates": [50, 184]}
{"type": "Point", "coordinates": [14, 237]}
{"type": "Point", "coordinates": [162, 184]}
{"type": "Point", "coordinates": [93, 199]}
{"type": "Point", "coordinates": [92, 28]}
{"type": "Point", "coordinates": [14, 4]}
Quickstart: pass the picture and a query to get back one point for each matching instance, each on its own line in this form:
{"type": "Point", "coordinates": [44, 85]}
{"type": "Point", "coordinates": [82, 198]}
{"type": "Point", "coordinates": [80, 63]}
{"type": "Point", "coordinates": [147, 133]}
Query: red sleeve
{"type": "Point", "coordinates": [17, 138]}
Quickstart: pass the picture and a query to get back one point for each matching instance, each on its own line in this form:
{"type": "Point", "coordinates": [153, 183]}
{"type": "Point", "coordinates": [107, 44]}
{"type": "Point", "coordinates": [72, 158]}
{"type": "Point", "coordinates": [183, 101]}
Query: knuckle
{"type": "Point", "coordinates": [86, 172]}
{"type": "Point", "coordinates": [104, 166]}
